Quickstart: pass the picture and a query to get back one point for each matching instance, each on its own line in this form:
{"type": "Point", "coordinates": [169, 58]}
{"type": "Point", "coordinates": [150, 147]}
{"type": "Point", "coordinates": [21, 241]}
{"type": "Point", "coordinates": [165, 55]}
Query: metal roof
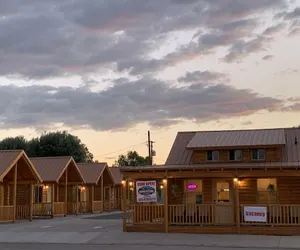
{"type": "Point", "coordinates": [91, 172]}
{"type": "Point", "coordinates": [116, 174]}
{"type": "Point", "coordinates": [52, 168]}
{"type": "Point", "coordinates": [237, 138]}
{"type": "Point", "coordinates": [8, 158]}
{"type": "Point", "coordinates": [181, 155]}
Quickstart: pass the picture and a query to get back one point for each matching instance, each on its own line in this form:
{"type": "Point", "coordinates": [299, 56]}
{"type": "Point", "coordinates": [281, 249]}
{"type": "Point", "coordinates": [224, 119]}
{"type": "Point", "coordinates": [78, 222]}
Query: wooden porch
{"type": "Point", "coordinates": [225, 197]}
{"type": "Point", "coordinates": [17, 179]}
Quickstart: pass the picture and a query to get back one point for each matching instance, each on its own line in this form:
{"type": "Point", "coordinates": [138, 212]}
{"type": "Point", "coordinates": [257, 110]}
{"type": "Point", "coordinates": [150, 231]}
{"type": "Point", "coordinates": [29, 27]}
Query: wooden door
{"type": "Point", "coordinates": [223, 201]}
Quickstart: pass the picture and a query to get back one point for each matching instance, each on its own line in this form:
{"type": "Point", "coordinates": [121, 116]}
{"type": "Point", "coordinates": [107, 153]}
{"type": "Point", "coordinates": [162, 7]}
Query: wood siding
{"type": "Point", "coordinates": [289, 190]}
{"type": "Point", "coordinates": [271, 155]}
{"type": "Point", "coordinates": [248, 191]}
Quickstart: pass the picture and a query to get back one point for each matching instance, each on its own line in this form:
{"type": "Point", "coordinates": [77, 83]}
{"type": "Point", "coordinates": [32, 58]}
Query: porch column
{"type": "Point", "coordinates": [52, 200]}
{"type": "Point", "coordinates": [166, 206]}
{"type": "Point", "coordinates": [66, 192]}
{"type": "Point", "coordinates": [109, 198]}
{"type": "Point", "coordinates": [77, 201]}
{"type": "Point", "coordinates": [124, 205]}
{"type": "Point", "coordinates": [236, 206]}
{"type": "Point", "coordinates": [92, 197]}
{"type": "Point", "coordinates": [30, 201]}
{"type": "Point", "coordinates": [102, 194]}
{"type": "Point", "coordinates": [15, 193]}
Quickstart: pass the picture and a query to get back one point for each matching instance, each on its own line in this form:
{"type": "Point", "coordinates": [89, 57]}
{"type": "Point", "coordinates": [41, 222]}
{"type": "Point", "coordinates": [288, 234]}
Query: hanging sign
{"type": "Point", "coordinates": [146, 191]}
{"type": "Point", "coordinates": [255, 214]}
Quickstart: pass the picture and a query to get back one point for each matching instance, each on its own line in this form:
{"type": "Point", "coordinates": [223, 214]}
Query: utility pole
{"type": "Point", "coordinates": [150, 150]}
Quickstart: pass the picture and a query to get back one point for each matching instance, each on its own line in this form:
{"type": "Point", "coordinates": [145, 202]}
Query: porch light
{"type": "Point", "coordinates": [82, 188]}
{"type": "Point", "coordinates": [130, 183]}
{"type": "Point", "coordinates": [161, 186]}
{"type": "Point", "coordinates": [45, 187]}
{"type": "Point", "coordinates": [235, 180]}
{"type": "Point", "coordinates": [123, 182]}
{"type": "Point", "coordinates": [164, 181]}
{"type": "Point", "coordinates": [239, 182]}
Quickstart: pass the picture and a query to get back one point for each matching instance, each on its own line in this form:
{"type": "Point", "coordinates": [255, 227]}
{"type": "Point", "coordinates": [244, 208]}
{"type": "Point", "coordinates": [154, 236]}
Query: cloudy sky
{"type": "Point", "coordinates": [109, 70]}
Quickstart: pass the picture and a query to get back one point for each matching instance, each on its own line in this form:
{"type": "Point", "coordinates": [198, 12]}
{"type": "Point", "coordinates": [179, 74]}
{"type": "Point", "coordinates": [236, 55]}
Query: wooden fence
{"type": "Point", "coordinates": [6, 213]}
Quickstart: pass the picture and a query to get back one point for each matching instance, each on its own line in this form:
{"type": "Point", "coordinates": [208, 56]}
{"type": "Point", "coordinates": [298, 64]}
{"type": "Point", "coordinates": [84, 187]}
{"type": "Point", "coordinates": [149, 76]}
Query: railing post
{"type": "Point", "coordinates": [237, 206]}
{"type": "Point", "coordinates": [15, 193]}
{"type": "Point", "coordinates": [166, 209]}
{"type": "Point", "coordinates": [52, 200]}
{"type": "Point", "coordinates": [30, 201]}
{"type": "Point", "coordinates": [124, 209]}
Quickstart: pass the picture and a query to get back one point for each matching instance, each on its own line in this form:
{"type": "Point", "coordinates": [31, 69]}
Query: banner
{"type": "Point", "coordinates": [255, 214]}
{"type": "Point", "coordinates": [146, 191]}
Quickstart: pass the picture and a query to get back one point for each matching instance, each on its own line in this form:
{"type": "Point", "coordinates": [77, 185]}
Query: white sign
{"type": "Point", "coordinates": [146, 191]}
{"type": "Point", "coordinates": [255, 214]}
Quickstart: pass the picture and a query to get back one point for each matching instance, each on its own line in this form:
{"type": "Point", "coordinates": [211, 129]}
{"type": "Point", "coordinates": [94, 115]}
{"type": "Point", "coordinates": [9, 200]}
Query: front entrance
{"type": "Point", "coordinates": [223, 197]}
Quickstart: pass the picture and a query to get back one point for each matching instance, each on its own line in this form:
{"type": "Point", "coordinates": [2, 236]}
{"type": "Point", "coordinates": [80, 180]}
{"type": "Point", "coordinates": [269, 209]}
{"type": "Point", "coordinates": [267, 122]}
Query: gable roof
{"type": "Point", "coordinates": [8, 158]}
{"type": "Point", "coordinates": [52, 168]}
{"type": "Point", "coordinates": [181, 155]}
{"type": "Point", "coordinates": [116, 174]}
{"type": "Point", "coordinates": [237, 138]}
{"type": "Point", "coordinates": [92, 172]}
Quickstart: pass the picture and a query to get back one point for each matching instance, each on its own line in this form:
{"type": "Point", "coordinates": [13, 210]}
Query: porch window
{"type": "Point", "coordinates": [193, 192]}
{"type": "Point", "coordinates": [267, 191]}
{"type": "Point", "coordinates": [235, 155]}
{"type": "Point", "coordinates": [258, 154]}
{"type": "Point", "coordinates": [223, 191]}
{"type": "Point", "coordinates": [212, 155]}
{"type": "Point", "coordinates": [38, 194]}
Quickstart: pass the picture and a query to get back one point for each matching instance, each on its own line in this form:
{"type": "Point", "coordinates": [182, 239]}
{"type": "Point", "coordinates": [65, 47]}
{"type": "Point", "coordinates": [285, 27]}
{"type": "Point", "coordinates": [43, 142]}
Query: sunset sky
{"type": "Point", "coordinates": [110, 70]}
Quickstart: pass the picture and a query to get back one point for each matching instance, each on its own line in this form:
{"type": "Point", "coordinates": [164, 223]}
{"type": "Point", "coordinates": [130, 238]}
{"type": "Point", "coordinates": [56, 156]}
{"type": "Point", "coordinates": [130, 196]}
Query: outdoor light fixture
{"type": "Point", "coordinates": [45, 187]}
{"type": "Point", "coordinates": [164, 181]}
{"type": "Point", "coordinates": [161, 186]}
{"type": "Point", "coordinates": [235, 179]}
{"type": "Point", "coordinates": [82, 188]}
{"type": "Point", "coordinates": [123, 182]}
{"type": "Point", "coordinates": [239, 182]}
{"type": "Point", "coordinates": [130, 183]}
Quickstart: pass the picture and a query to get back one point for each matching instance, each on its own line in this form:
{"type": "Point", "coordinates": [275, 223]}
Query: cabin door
{"type": "Point", "coordinates": [223, 197]}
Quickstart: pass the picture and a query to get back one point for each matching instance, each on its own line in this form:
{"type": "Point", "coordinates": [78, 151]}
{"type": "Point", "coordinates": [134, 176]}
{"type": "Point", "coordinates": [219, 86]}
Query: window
{"type": "Point", "coordinates": [258, 154]}
{"type": "Point", "coordinates": [193, 192]}
{"type": "Point", "coordinates": [212, 155]}
{"type": "Point", "coordinates": [267, 191]}
{"type": "Point", "coordinates": [38, 194]}
{"type": "Point", "coordinates": [223, 191]}
{"type": "Point", "coordinates": [235, 155]}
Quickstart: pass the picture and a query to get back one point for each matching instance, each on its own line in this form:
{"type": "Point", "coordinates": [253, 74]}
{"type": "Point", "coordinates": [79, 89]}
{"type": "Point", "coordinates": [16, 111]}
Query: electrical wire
{"type": "Point", "coordinates": [123, 149]}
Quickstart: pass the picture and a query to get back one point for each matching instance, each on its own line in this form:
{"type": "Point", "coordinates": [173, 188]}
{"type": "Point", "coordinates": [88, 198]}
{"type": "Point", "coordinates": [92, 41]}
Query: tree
{"type": "Point", "coordinates": [131, 159]}
{"type": "Point", "coordinates": [50, 144]}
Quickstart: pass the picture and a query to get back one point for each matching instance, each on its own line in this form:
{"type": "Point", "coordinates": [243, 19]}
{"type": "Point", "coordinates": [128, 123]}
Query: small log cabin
{"type": "Point", "coordinates": [99, 192]}
{"type": "Point", "coordinates": [225, 182]}
{"type": "Point", "coordinates": [57, 195]}
{"type": "Point", "coordinates": [17, 179]}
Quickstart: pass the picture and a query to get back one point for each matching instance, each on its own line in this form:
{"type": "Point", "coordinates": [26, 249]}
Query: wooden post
{"type": "Point", "coordinates": [30, 202]}
{"type": "Point", "coordinates": [237, 206]}
{"type": "Point", "coordinates": [77, 199]}
{"type": "Point", "coordinates": [15, 193]}
{"type": "Point", "coordinates": [166, 206]}
{"type": "Point", "coordinates": [124, 209]}
{"type": "Point", "coordinates": [102, 194]}
{"type": "Point", "coordinates": [66, 192]}
{"type": "Point", "coordinates": [92, 195]}
{"type": "Point", "coordinates": [52, 200]}
{"type": "Point", "coordinates": [109, 198]}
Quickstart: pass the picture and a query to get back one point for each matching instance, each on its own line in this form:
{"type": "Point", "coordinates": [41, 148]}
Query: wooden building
{"type": "Point", "coordinates": [243, 181]}
{"type": "Point", "coordinates": [100, 190]}
{"type": "Point", "coordinates": [61, 181]}
{"type": "Point", "coordinates": [17, 178]}
{"type": "Point", "coordinates": [116, 188]}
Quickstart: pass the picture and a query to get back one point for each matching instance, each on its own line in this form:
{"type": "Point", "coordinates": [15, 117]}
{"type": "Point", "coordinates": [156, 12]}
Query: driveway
{"type": "Point", "coordinates": [91, 232]}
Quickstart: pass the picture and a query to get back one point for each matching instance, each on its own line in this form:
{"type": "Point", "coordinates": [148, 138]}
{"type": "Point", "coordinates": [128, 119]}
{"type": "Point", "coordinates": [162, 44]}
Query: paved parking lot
{"type": "Point", "coordinates": [92, 232]}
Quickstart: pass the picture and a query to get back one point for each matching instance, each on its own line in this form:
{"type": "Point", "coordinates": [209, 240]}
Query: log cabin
{"type": "Point", "coordinates": [99, 191]}
{"type": "Point", "coordinates": [17, 179]}
{"type": "Point", "coordinates": [222, 182]}
{"type": "Point", "coordinates": [58, 193]}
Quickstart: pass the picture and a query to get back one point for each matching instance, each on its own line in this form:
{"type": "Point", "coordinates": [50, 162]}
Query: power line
{"type": "Point", "coordinates": [122, 149]}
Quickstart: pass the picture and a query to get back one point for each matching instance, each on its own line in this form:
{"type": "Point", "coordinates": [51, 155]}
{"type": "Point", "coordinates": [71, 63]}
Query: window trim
{"type": "Point", "coordinates": [257, 149]}
{"type": "Point", "coordinates": [234, 155]}
{"type": "Point", "coordinates": [212, 160]}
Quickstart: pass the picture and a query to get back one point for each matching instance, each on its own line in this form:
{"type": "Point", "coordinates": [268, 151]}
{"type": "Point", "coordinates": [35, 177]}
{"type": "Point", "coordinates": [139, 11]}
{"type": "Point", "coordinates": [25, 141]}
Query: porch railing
{"type": "Point", "coordinates": [146, 214]}
{"type": "Point", "coordinates": [98, 206]}
{"type": "Point", "coordinates": [277, 215]}
{"type": "Point", "coordinates": [59, 208]}
{"type": "Point", "coordinates": [42, 209]}
{"type": "Point", "coordinates": [6, 213]}
{"type": "Point", "coordinates": [84, 207]}
{"type": "Point", "coordinates": [22, 212]}
{"type": "Point", "coordinates": [191, 214]}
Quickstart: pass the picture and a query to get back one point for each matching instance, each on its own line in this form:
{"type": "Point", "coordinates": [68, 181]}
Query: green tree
{"type": "Point", "coordinates": [59, 143]}
{"type": "Point", "coordinates": [132, 158]}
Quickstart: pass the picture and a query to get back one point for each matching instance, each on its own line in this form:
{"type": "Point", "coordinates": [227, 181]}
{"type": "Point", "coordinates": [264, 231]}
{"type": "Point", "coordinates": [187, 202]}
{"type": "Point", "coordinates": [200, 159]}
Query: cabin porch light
{"type": "Point", "coordinates": [123, 182]}
{"type": "Point", "coordinates": [235, 179]}
{"type": "Point", "coordinates": [45, 187]}
{"type": "Point", "coordinates": [165, 181]}
{"type": "Point", "coordinates": [161, 186]}
{"type": "Point", "coordinates": [82, 188]}
{"type": "Point", "coordinates": [130, 183]}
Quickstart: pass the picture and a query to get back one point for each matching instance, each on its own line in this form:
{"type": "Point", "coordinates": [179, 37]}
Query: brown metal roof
{"type": "Point", "coordinates": [181, 155]}
{"type": "Point", "coordinates": [237, 138]}
{"type": "Point", "coordinates": [8, 158]}
{"type": "Point", "coordinates": [91, 172]}
{"type": "Point", "coordinates": [52, 168]}
{"type": "Point", "coordinates": [116, 174]}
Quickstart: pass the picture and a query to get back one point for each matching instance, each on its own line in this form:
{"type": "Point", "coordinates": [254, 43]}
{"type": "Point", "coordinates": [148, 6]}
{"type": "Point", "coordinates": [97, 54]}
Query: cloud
{"type": "Point", "coordinates": [203, 76]}
{"type": "Point", "coordinates": [51, 38]}
{"type": "Point", "coordinates": [126, 104]}
{"type": "Point", "coordinates": [268, 57]}
{"type": "Point", "coordinates": [247, 123]}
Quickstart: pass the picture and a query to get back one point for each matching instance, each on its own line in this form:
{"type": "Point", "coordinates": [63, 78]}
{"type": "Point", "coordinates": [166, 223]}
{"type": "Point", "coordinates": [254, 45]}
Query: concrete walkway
{"type": "Point", "coordinates": [106, 230]}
